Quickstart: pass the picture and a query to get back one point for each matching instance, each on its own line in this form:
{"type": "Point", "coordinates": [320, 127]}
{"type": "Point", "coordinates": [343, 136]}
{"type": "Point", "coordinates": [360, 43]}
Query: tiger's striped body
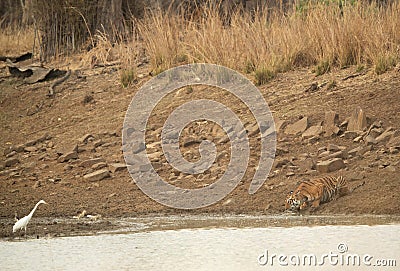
{"type": "Point", "coordinates": [317, 191]}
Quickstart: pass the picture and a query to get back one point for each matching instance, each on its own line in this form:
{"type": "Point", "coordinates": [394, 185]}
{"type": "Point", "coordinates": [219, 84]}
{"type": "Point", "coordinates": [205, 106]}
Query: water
{"type": "Point", "coordinates": [239, 248]}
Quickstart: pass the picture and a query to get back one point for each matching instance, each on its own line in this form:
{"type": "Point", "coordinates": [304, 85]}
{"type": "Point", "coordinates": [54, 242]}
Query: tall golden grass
{"type": "Point", "coordinates": [267, 42]}
{"type": "Point", "coordinates": [264, 42]}
{"type": "Point", "coordinates": [16, 41]}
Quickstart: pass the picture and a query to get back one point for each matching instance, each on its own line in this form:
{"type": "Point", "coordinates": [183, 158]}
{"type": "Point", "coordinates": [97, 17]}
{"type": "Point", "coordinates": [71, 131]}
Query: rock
{"type": "Point", "coordinates": [359, 150]}
{"type": "Point", "coordinates": [350, 135]}
{"type": "Point", "coordinates": [97, 175]}
{"type": "Point", "coordinates": [324, 154]}
{"type": "Point", "coordinates": [290, 173]}
{"type": "Point", "coordinates": [394, 150]}
{"type": "Point", "coordinates": [312, 140]}
{"type": "Point", "coordinates": [340, 154]}
{"type": "Point", "coordinates": [394, 142]}
{"type": "Point", "coordinates": [313, 131]}
{"type": "Point", "coordinates": [84, 139]}
{"type": "Point", "coordinates": [357, 139]}
{"type": "Point", "coordinates": [98, 143]}
{"type": "Point", "coordinates": [369, 140]}
{"type": "Point", "coordinates": [91, 162]}
{"type": "Point", "coordinates": [330, 165]}
{"type": "Point", "coordinates": [50, 144]}
{"type": "Point", "coordinates": [138, 147]}
{"type": "Point", "coordinates": [68, 167]}
{"type": "Point", "coordinates": [115, 167]}
{"type": "Point", "coordinates": [390, 168]}
{"type": "Point", "coordinates": [281, 150]}
{"type": "Point", "coordinates": [11, 154]}
{"type": "Point", "coordinates": [30, 149]}
{"type": "Point", "coordinates": [330, 123]}
{"type": "Point", "coordinates": [99, 166]}
{"type": "Point", "coordinates": [280, 124]}
{"type": "Point", "coordinates": [297, 127]}
{"type": "Point", "coordinates": [385, 136]}
{"type": "Point", "coordinates": [357, 121]}
{"type": "Point", "coordinates": [333, 148]}
{"type": "Point", "coordinates": [11, 161]}
{"type": "Point", "coordinates": [67, 156]}
{"type": "Point", "coordinates": [9, 149]}
{"type": "Point", "coordinates": [30, 143]}
{"type": "Point", "coordinates": [375, 132]}
{"type": "Point", "coordinates": [37, 184]}
{"type": "Point", "coordinates": [281, 163]}
{"type": "Point", "coordinates": [307, 165]}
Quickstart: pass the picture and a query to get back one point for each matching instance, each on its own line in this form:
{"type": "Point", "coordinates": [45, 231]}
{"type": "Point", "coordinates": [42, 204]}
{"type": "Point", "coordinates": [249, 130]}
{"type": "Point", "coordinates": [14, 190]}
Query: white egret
{"type": "Point", "coordinates": [23, 222]}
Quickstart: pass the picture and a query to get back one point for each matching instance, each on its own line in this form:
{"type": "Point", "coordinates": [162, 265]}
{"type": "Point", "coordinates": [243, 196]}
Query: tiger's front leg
{"type": "Point", "coordinates": [304, 205]}
{"type": "Point", "coordinates": [315, 204]}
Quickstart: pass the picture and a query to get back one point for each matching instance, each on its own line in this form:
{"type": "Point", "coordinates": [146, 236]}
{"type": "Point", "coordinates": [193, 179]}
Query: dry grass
{"type": "Point", "coordinates": [16, 41]}
{"type": "Point", "coordinates": [319, 35]}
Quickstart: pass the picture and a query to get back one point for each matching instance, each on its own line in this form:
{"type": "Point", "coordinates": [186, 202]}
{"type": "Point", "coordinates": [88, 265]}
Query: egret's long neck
{"type": "Point", "coordinates": [34, 209]}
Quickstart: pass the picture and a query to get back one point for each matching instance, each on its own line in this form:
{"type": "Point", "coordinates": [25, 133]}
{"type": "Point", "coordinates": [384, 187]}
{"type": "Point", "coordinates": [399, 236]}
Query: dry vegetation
{"type": "Point", "coordinates": [261, 43]}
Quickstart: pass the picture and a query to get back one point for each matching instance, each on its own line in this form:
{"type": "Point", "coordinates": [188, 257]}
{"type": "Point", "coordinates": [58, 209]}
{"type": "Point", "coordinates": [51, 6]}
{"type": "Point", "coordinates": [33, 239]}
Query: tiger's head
{"type": "Point", "coordinates": [295, 201]}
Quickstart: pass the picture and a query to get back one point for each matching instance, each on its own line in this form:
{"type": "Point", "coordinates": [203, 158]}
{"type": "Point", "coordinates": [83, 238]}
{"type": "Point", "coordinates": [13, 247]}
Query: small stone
{"type": "Point", "coordinates": [138, 147]}
{"type": "Point", "coordinates": [37, 184]}
{"type": "Point", "coordinates": [385, 136]}
{"type": "Point", "coordinates": [280, 124]}
{"type": "Point", "coordinates": [290, 173]}
{"type": "Point", "coordinates": [98, 143]}
{"type": "Point", "coordinates": [330, 123]}
{"type": "Point", "coordinates": [375, 132]}
{"type": "Point", "coordinates": [369, 140]}
{"type": "Point", "coordinates": [50, 144]}
{"type": "Point", "coordinates": [333, 148]}
{"type": "Point", "coordinates": [324, 154]}
{"type": "Point", "coordinates": [394, 150]}
{"type": "Point", "coordinates": [307, 165]}
{"type": "Point", "coordinates": [11, 161]}
{"type": "Point", "coordinates": [359, 150]}
{"type": "Point", "coordinates": [281, 163]}
{"type": "Point", "coordinates": [350, 135]}
{"type": "Point", "coordinates": [357, 121]}
{"type": "Point", "coordinates": [11, 154]}
{"type": "Point", "coordinates": [390, 168]}
{"type": "Point", "coordinates": [313, 131]}
{"type": "Point", "coordinates": [30, 149]}
{"type": "Point", "coordinates": [68, 156]}
{"type": "Point", "coordinates": [84, 139]}
{"type": "Point", "coordinates": [68, 167]}
{"type": "Point", "coordinates": [312, 140]}
{"type": "Point", "coordinates": [340, 154]}
{"type": "Point", "coordinates": [91, 162]}
{"type": "Point", "coordinates": [115, 167]}
{"type": "Point", "coordinates": [30, 143]}
{"type": "Point", "coordinates": [297, 127]}
{"type": "Point", "coordinates": [99, 166]}
{"type": "Point", "coordinates": [357, 139]}
{"type": "Point", "coordinates": [97, 175]}
{"type": "Point", "coordinates": [330, 165]}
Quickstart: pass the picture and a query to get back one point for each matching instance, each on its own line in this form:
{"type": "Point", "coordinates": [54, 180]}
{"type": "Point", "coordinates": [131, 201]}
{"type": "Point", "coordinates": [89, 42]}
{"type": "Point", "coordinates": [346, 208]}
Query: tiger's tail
{"type": "Point", "coordinates": [357, 186]}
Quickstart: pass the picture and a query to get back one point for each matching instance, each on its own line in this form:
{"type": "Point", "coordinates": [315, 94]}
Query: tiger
{"type": "Point", "coordinates": [317, 191]}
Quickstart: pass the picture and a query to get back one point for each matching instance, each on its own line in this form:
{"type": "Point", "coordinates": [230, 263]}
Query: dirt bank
{"type": "Point", "coordinates": [38, 133]}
